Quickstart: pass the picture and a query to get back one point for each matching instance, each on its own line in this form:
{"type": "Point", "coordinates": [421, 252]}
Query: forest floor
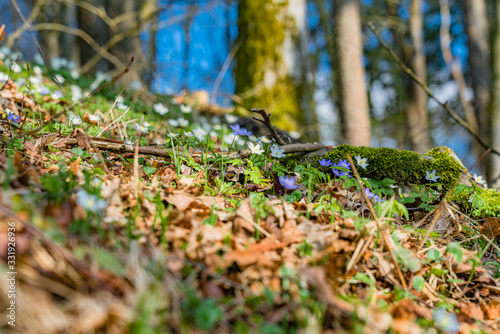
{"type": "Point", "coordinates": [127, 212]}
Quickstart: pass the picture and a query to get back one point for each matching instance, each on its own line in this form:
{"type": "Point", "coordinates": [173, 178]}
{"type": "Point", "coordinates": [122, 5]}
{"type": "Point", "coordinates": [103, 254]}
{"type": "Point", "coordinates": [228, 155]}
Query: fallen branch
{"type": "Point", "coordinates": [120, 146]}
{"type": "Point", "coordinates": [267, 122]}
{"type": "Point", "coordinates": [426, 88]}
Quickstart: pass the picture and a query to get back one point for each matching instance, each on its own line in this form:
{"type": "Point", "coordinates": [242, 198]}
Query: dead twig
{"type": "Point", "coordinates": [267, 122]}
{"type": "Point", "coordinates": [382, 229]}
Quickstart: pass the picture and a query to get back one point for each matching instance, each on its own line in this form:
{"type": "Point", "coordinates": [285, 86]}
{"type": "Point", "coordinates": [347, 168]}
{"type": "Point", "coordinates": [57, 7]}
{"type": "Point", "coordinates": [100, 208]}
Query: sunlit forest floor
{"type": "Point", "coordinates": [129, 212]}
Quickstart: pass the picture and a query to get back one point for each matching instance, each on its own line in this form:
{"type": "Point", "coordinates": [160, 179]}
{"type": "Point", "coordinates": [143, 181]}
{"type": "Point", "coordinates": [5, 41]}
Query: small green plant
{"type": "Point", "coordinates": [305, 248]}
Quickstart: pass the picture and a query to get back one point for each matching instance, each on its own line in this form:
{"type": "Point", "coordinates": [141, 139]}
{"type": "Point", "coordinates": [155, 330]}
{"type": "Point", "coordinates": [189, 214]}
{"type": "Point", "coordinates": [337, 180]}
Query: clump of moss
{"type": "Point", "coordinates": [486, 205]}
{"type": "Point", "coordinates": [405, 167]}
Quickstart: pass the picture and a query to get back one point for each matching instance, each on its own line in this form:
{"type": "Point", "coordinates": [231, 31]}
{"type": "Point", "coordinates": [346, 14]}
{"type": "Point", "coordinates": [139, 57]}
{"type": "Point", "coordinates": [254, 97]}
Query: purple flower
{"type": "Point", "coordinates": [325, 163]}
{"type": "Point", "coordinates": [368, 193]}
{"type": "Point", "coordinates": [12, 117]}
{"type": "Point", "coordinates": [237, 129]}
{"type": "Point", "coordinates": [288, 182]}
{"type": "Point", "coordinates": [245, 132]}
{"type": "Point", "coordinates": [344, 163]}
{"type": "Point", "coordinates": [339, 172]}
{"type": "Point", "coordinates": [376, 198]}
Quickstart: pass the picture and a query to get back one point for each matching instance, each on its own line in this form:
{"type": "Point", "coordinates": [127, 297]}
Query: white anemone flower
{"type": "Point", "coordinates": [255, 148]}
{"type": "Point", "coordinates": [277, 152]}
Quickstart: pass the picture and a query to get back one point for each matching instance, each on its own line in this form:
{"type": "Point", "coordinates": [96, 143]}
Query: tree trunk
{"type": "Point", "coordinates": [416, 110]}
{"type": "Point", "coordinates": [479, 61]}
{"type": "Point", "coordinates": [353, 100]}
{"type": "Point", "coordinates": [270, 65]}
{"type": "Point", "coordinates": [97, 29]}
{"type": "Point", "coordinates": [494, 162]}
{"type": "Point", "coordinates": [130, 46]}
{"type": "Point", "coordinates": [49, 39]}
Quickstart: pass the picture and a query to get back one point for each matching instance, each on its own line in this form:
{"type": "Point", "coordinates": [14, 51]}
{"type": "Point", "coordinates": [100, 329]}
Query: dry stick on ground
{"type": "Point", "coordinates": [267, 123]}
{"type": "Point", "coordinates": [426, 88]}
{"type": "Point", "coordinates": [120, 146]}
{"type": "Point", "coordinates": [381, 228]}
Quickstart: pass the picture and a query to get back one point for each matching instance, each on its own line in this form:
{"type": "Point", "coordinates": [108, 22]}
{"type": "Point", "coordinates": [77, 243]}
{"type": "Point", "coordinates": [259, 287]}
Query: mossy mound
{"type": "Point", "coordinates": [405, 167]}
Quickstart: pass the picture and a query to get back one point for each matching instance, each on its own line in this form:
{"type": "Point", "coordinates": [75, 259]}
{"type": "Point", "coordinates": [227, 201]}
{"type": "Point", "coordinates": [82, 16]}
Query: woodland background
{"type": "Point", "coordinates": [315, 65]}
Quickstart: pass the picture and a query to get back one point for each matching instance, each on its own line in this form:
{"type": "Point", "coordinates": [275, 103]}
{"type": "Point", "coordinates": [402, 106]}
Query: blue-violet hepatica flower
{"type": "Point", "coordinates": [325, 163]}
{"type": "Point", "coordinates": [288, 182]}
{"type": "Point", "coordinates": [344, 163]}
{"type": "Point", "coordinates": [12, 117]}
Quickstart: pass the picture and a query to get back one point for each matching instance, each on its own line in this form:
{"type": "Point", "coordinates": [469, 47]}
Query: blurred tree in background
{"type": "Point", "coordinates": [313, 64]}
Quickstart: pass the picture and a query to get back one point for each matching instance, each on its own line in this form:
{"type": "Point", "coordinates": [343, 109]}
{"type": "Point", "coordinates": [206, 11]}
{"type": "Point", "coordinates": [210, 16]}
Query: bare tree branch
{"type": "Point", "coordinates": [445, 106]}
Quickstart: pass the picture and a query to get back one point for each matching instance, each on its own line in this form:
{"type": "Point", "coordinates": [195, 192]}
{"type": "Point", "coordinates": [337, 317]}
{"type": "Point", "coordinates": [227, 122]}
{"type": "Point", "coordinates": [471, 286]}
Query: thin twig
{"type": "Point", "coordinates": [426, 88]}
{"type": "Point", "coordinates": [267, 122]}
{"type": "Point", "coordinates": [383, 231]}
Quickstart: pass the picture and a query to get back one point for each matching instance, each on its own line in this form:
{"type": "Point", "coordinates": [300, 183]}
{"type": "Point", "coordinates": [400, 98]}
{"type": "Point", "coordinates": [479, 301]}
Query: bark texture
{"type": "Point", "coordinates": [271, 64]}
{"type": "Point", "coordinates": [416, 110]}
{"type": "Point", "coordinates": [353, 101]}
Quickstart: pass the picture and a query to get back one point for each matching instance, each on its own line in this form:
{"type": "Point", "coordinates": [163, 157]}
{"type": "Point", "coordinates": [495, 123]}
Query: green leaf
{"type": "Point", "coordinates": [438, 272]}
{"type": "Point", "coordinates": [78, 151]}
{"type": "Point", "coordinates": [108, 261]}
{"type": "Point", "coordinates": [418, 283]}
{"type": "Point", "coordinates": [294, 197]}
{"type": "Point", "coordinates": [433, 255]}
{"type": "Point", "coordinates": [455, 249]}
{"type": "Point", "coordinates": [149, 170]}
{"type": "Point", "coordinates": [207, 314]}
{"type": "Point", "coordinates": [459, 281]}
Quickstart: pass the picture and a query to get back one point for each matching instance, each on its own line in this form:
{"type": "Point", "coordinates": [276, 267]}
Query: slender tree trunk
{"type": "Point", "coordinates": [49, 39]}
{"type": "Point", "coordinates": [131, 46]}
{"type": "Point", "coordinates": [494, 162]}
{"type": "Point", "coordinates": [269, 65]}
{"type": "Point", "coordinates": [97, 29]}
{"type": "Point", "coordinates": [416, 110]}
{"type": "Point", "coordinates": [350, 70]}
{"type": "Point", "coordinates": [479, 61]}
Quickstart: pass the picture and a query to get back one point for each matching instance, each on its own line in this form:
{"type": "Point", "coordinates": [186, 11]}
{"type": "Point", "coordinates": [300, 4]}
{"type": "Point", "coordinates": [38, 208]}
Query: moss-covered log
{"type": "Point", "coordinates": [405, 167]}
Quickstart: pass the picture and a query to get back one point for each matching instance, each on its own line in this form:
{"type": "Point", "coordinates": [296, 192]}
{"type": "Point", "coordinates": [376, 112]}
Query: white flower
{"type": "Point", "coordinates": [3, 77]}
{"type": "Point", "coordinates": [94, 118]}
{"type": "Point", "coordinates": [89, 202]}
{"type": "Point", "coordinates": [295, 134]}
{"type": "Point", "coordinates": [277, 152]}
{"type": "Point", "coordinates": [255, 148]}
{"type": "Point", "coordinates": [60, 78]}
{"type": "Point", "coordinates": [185, 109]}
{"type": "Point", "coordinates": [188, 134]}
{"type": "Point", "coordinates": [76, 92]}
{"type": "Point", "coordinates": [16, 68]}
{"type": "Point", "coordinates": [119, 99]}
{"type": "Point", "coordinates": [37, 70]}
{"type": "Point", "coordinates": [74, 74]}
{"type": "Point", "coordinates": [172, 135]}
{"type": "Point", "coordinates": [74, 119]}
{"type": "Point", "coordinates": [57, 95]}
{"type": "Point", "coordinates": [57, 63]}
{"type": "Point", "coordinates": [361, 161]}
{"type": "Point", "coordinates": [128, 142]}
{"type": "Point", "coordinates": [183, 122]}
{"type": "Point", "coordinates": [135, 85]}
{"type": "Point", "coordinates": [228, 139]}
{"type": "Point", "coordinates": [141, 128]}
{"type": "Point", "coordinates": [173, 122]}
{"type": "Point", "coordinates": [431, 176]}
{"type": "Point", "coordinates": [160, 109]}
{"type": "Point", "coordinates": [35, 80]}
{"type": "Point", "coordinates": [199, 133]}
{"type": "Point", "coordinates": [213, 134]}
{"type": "Point", "coordinates": [38, 59]}
{"type": "Point", "coordinates": [121, 106]}
{"type": "Point", "coordinates": [264, 139]}
{"type": "Point", "coordinates": [231, 118]}
{"type": "Point", "coordinates": [478, 179]}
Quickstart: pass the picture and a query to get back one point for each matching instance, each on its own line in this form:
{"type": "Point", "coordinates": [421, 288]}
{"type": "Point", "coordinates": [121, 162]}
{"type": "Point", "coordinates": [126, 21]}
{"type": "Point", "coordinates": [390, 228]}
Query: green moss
{"type": "Point", "coordinates": [405, 167]}
{"type": "Point", "coordinates": [487, 205]}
